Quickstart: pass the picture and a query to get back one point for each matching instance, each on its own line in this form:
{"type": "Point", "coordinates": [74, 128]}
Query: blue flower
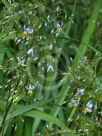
{"type": "Point", "coordinates": [50, 68]}
{"type": "Point", "coordinates": [28, 30]}
{"type": "Point", "coordinates": [58, 24]}
{"type": "Point", "coordinates": [30, 52]}
{"type": "Point", "coordinates": [29, 87]}
{"type": "Point", "coordinates": [89, 106]}
{"type": "Point", "coordinates": [73, 103]}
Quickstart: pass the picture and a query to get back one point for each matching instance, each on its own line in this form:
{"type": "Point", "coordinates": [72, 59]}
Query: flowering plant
{"type": "Point", "coordinates": [50, 68]}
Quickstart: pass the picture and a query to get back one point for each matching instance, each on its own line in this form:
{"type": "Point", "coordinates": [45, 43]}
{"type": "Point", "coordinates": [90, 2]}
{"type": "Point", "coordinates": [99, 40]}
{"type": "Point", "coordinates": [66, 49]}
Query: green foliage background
{"type": "Point", "coordinates": [73, 51]}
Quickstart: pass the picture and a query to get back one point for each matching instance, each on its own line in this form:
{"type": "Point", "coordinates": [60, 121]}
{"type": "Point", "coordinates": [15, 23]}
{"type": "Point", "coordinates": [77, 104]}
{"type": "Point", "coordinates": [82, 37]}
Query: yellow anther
{"type": "Point", "coordinates": [30, 93]}
{"type": "Point", "coordinates": [59, 29]}
{"type": "Point", "coordinates": [25, 33]}
{"type": "Point", "coordinates": [85, 110]}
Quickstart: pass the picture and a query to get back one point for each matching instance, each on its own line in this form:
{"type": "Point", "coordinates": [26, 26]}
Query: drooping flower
{"type": "Point", "coordinates": [27, 30]}
{"type": "Point", "coordinates": [30, 52]}
{"type": "Point", "coordinates": [73, 103]}
{"type": "Point", "coordinates": [80, 91]}
{"type": "Point", "coordinates": [88, 107]}
{"type": "Point", "coordinates": [50, 68]}
{"type": "Point", "coordinates": [58, 24]}
{"type": "Point", "coordinates": [29, 88]}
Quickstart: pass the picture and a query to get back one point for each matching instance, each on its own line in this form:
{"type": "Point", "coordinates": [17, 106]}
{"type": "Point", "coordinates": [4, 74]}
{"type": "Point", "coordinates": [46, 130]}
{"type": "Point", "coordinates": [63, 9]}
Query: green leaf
{"type": "Point", "coordinates": [89, 32]}
{"type": "Point", "coordinates": [19, 127]}
{"type": "Point", "coordinates": [2, 54]}
{"type": "Point", "coordinates": [21, 109]}
{"type": "Point", "coordinates": [28, 127]}
{"type": "Point", "coordinates": [45, 116]}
